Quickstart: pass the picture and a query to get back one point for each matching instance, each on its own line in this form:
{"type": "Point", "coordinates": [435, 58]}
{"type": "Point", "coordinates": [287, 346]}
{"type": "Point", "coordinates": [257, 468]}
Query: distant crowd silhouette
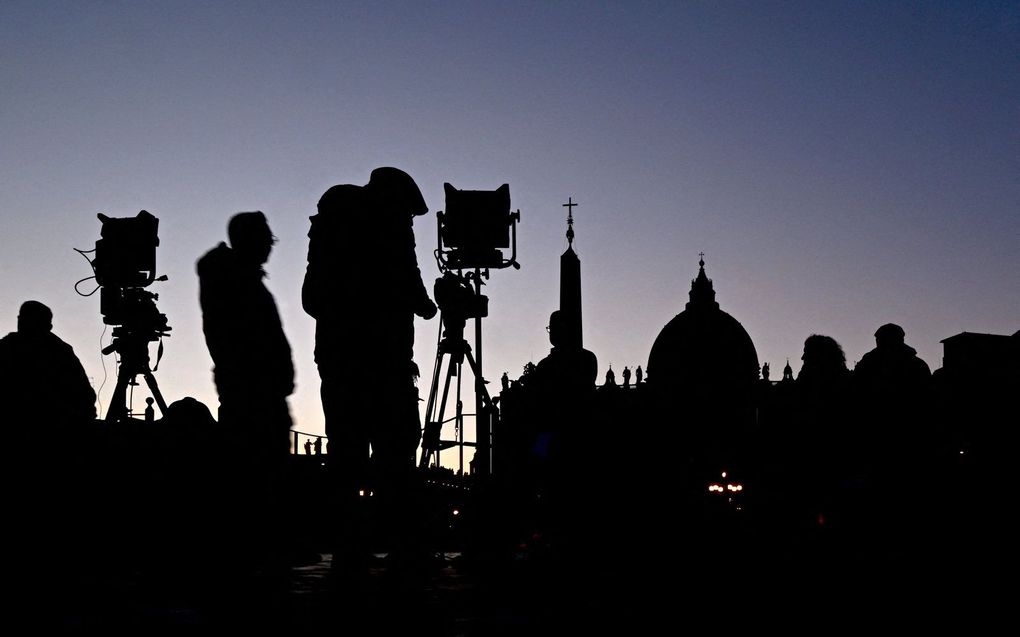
{"type": "Point", "coordinates": [852, 468]}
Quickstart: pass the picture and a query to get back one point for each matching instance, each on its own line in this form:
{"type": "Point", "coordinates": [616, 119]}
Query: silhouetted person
{"type": "Point", "coordinates": [308, 447]}
{"type": "Point", "coordinates": [567, 374]}
{"type": "Point", "coordinates": [564, 383]}
{"type": "Point", "coordinates": [43, 387]}
{"type": "Point", "coordinates": [189, 413]}
{"type": "Point", "coordinates": [626, 377]}
{"type": "Point", "coordinates": [253, 369]}
{"type": "Point", "coordinates": [41, 380]}
{"type": "Point", "coordinates": [892, 387]}
{"type": "Point", "coordinates": [318, 446]}
{"type": "Point", "coordinates": [364, 288]}
{"type": "Point", "coordinates": [820, 439]}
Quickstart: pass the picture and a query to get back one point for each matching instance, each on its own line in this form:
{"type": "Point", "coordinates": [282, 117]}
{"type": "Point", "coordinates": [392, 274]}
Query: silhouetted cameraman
{"type": "Point", "coordinates": [363, 286]}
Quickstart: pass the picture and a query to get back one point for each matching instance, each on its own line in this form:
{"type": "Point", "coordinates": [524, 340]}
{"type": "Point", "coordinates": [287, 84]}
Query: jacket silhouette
{"type": "Point", "coordinates": [253, 370]}
{"type": "Point", "coordinates": [40, 376]}
{"type": "Point", "coordinates": [363, 286]}
{"type": "Point", "coordinates": [242, 328]}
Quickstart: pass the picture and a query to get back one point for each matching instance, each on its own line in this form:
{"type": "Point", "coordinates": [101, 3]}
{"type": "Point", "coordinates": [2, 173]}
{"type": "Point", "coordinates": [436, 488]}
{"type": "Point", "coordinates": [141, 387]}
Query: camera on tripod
{"type": "Point", "coordinates": [473, 232]}
{"type": "Point", "coordinates": [124, 264]}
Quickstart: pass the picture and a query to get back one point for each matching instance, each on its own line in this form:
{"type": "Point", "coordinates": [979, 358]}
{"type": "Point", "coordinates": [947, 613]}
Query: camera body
{"type": "Point", "coordinates": [457, 300]}
{"type": "Point", "coordinates": [126, 253]}
{"type": "Point", "coordinates": [125, 263]}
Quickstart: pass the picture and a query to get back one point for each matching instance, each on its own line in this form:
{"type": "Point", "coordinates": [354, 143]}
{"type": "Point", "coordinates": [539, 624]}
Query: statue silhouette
{"type": "Point", "coordinates": [253, 369]}
{"type": "Point", "coordinates": [364, 288]}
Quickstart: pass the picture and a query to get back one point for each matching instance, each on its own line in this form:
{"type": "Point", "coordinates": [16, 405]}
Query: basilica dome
{"type": "Point", "coordinates": [704, 353]}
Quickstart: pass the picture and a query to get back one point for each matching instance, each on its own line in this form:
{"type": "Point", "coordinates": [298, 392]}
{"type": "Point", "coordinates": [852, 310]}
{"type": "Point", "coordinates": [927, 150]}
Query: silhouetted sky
{"type": "Point", "coordinates": [842, 165]}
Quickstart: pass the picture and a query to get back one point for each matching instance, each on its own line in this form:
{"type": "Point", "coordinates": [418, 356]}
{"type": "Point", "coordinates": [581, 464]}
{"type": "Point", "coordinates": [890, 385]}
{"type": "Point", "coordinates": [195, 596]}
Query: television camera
{"type": "Point", "coordinates": [473, 232]}
{"type": "Point", "coordinates": [124, 265]}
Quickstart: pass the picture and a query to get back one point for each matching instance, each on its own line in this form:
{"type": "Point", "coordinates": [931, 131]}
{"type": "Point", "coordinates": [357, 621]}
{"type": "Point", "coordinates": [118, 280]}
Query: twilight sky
{"type": "Point", "coordinates": [842, 165]}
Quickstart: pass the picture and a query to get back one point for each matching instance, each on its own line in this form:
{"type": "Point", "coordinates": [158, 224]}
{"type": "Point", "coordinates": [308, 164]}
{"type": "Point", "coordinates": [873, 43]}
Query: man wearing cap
{"type": "Point", "coordinates": [364, 288]}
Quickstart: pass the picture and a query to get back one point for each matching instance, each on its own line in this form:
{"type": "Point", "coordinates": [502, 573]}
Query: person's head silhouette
{"type": "Point", "coordinates": [823, 352]}
{"type": "Point", "coordinates": [394, 191]}
{"type": "Point", "coordinates": [34, 318]}
{"type": "Point", "coordinates": [889, 335]}
{"type": "Point", "coordinates": [250, 237]}
{"type": "Point", "coordinates": [555, 328]}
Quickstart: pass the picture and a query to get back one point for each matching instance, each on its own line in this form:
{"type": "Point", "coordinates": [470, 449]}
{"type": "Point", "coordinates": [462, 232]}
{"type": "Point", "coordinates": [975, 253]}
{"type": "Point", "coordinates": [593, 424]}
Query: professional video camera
{"type": "Point", "coordinates": [476, 226]}
{"type": "Point", "coordinates": [125, 264]}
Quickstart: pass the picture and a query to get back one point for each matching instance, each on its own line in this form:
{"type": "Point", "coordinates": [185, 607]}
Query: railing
{"type": "Point", "coordinates": [318, 443]}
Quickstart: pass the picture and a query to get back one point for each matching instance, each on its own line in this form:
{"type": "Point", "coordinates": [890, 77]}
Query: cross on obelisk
{"type": "Point", "coordinates": [570, 220]}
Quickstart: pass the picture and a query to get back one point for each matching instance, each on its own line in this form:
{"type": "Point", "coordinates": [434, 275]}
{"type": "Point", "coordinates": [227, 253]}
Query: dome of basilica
{"type": "Point", "coordinates": [704, 352]}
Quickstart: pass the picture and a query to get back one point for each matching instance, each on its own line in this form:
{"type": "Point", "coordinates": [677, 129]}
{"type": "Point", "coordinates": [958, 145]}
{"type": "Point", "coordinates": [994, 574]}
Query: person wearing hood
{"type": "Point", "coordinates": [253, 369]}
{"type": "Point", "coordinates": [253, 372]}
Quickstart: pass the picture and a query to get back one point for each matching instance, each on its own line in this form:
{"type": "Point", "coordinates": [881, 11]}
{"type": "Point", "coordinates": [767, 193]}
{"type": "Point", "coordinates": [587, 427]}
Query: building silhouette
{"type": "Point", "coordinates": [702, 375]}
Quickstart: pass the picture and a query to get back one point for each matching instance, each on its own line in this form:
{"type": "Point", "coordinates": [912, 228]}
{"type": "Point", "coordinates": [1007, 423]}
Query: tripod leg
{"type": "Point", "coordinates": [434, 425]}
{"type": "Point", "coordinates": [483, 423]}
{"type": "Point", "coordinates": [150, 380]}
{"type": "Point", "coordinates": [479, 381]}
{"type": "Point", "coordinates": [118, 402]}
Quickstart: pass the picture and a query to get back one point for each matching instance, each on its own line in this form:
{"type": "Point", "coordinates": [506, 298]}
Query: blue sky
{"type": "Point", "coordinates": [842, 165]}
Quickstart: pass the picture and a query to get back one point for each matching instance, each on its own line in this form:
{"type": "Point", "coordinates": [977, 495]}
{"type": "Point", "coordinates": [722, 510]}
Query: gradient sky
{"type": "Point", "coordinates": [842, 165]}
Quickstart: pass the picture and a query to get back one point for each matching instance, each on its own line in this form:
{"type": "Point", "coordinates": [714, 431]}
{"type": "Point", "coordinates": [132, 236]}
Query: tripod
{"type": "Point", "coordinates": [134, 360]}
{"type": "Point", "coordinates": [453, 345]}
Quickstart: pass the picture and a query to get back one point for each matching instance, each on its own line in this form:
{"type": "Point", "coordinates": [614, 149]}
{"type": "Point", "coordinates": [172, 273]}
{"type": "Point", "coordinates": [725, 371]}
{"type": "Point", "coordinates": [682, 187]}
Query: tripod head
{"type": "Point", "coordinates": [458, 302]}
{"type": "Point", "coordinates": [456, 298]}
